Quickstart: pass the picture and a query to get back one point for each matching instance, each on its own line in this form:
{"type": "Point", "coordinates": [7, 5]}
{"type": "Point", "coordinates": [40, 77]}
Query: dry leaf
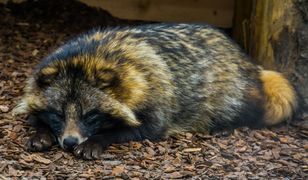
{"type": "Point", "coordinates": [188, 135]}
{"type": "Point", "coordinates": [136, 145]}
{"type": "Point", "coordinates": [118, 170]}
{"type": "Point", "coordinates": [57, 156]}
{"type": "Point", "coordinates": [242, 149]}
{"type": "Point", "coordinates": [175, 175]}
{"type": "Point", "coordinates": [112, 163]}
{"type": "Point", "coordinates": [276, 153]}
{"type": "Point", "coordinates": [188, 150]}
{"type": "Point", "coordinates": [12, 135]}
{"type": "Point", "coordinates": [161, 149]}
{"type": "Point", "coordinates": [13, 172]}
{"type": "Point", "coordinates": [169, 169]}
{"type": "Point", "coordinates": [40, 159]}
{"type": "Point", "coordinates": [4, 108]}
{"type": "Point", "coordinates": [27, 158]}
{"type": "Point", "coordinates": [150, 151]}
{"type": "Point", "coordinates": [283, 140]}
{"type": "Point", "coordinates": [259, 136]}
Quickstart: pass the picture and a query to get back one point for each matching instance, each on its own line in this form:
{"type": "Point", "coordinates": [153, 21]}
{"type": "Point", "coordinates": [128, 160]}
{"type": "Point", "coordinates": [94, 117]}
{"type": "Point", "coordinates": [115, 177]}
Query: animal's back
{"type": "Point", "coordinates": [214, 79]}
{"type": "Point", "coordinates": [217, 85]}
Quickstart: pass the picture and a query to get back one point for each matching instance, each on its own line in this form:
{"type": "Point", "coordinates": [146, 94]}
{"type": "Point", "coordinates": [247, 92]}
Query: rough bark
{"type": "Point", "coordinates": [279, 39]}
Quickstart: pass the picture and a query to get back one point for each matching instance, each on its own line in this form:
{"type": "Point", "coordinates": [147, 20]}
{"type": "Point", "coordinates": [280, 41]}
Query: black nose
{"type": "Point", "coordinates": [70, 142]}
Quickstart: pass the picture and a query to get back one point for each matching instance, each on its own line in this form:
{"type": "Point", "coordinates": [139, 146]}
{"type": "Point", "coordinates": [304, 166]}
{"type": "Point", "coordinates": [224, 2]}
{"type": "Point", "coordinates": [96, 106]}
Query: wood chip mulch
{"type": "Point", "coordinates": [29, 31]}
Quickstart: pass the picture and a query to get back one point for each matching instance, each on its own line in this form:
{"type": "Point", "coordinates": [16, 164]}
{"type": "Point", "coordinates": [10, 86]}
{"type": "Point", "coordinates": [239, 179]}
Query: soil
{"type": "Point", "coordinates": [31, 30]}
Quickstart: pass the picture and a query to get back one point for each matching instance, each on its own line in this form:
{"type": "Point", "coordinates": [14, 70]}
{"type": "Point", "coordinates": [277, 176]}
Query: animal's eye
{"type": "Point", "coordinates": [53, 119]}
{"type": "Point", "coordinates": [54, 116]}
{"type": "Point", "coordinates": [96, 118]}
{"type": "Point", "coordinates": [91, 114]}
{"type": "Point", "coordinates": [49, 116]}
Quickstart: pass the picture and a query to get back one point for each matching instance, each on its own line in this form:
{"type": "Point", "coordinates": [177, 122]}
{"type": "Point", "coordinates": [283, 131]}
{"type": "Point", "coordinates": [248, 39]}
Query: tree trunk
{"type": "Point", "coordinates": [279, 39]}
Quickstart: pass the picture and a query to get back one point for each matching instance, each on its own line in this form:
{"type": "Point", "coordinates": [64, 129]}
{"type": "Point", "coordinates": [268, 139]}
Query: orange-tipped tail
{"type": "Point", "coordinates": [281, 98]}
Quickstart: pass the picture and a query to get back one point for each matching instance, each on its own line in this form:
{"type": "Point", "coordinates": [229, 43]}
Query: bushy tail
{"type": "Point", "coordinates": [281, 98]}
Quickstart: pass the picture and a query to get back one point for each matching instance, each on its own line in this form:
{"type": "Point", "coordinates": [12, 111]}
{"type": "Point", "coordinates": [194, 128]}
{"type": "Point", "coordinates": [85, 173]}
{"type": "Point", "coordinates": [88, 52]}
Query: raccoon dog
{"type": "Point", "coordinates": [123, 84]}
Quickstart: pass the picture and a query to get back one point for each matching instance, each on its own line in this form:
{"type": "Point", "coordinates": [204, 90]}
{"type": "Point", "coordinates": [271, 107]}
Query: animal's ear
{"type": "Point", "coordinates": [46, 75]}
{"type": "Point", "coordinates": [106, 78]}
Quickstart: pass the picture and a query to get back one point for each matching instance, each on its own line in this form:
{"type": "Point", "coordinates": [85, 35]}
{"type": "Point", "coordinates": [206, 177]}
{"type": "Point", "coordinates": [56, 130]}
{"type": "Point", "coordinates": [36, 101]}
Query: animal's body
{"type": "Point", "coordinates": [132, 83]}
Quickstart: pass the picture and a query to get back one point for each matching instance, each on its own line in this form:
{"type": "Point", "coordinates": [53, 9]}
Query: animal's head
{"type": "Point", "coordinates": [83, 96]}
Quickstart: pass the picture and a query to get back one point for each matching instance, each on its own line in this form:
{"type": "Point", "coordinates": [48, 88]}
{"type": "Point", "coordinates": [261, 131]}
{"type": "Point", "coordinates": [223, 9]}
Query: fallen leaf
{"type": "Point", "coordinates": [40, 159]}
{"type": "Point", "coordinates": [12, 135]}
{"type": "Point", "coordinates": [267, 155]}
{"type": "Point", "coordinates": [136, 145]}
{"type": "Point", "coordinates": [112, 163]}
{"type": "Point", "coordinates": [222, 146]}
{"type": "Point", "coordinates": [169, 169]}
{"type": "Point", "coordinates": [13, 172]}
{"type": "Point", "coordinates": [17, 128]}
{"type": "Point", "coordinates": [298, 156]}
{"type": "Point", "coordinates": [188, 135]}
{"type": "Point", "coordinates": [27, 158]}
{"type": "Point", "coordinates": [150, 151]}
{"type": "Point", "coordinates": [4, 108]}
{"type": "Point", "coordinates": [57, 156]}
{"type": "Point", "coordinates": [283, 140]}
{"type": "Point", "coordinates": [242, 149]}
{"type": "Point", "coordinates": [175, 175]}
{"type": "Point", "coordinates": [276, 153]}
{"type": "Point", "coordinates": [259, 136]}
{"type": "Point", "coordinates": [189, 167]}
{"type": "Point", "coordinates": [188, 150]}
{"type": "Point", "coordinates": [117, 170]}
{"type": "Point", "coordinates": [161, 149]}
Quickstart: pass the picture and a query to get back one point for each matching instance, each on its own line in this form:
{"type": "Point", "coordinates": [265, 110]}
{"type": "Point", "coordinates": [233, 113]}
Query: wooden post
{"type": "Point", "coordinates": [278, 38]}
{"type": "Point", "coordinates": [241, 24]}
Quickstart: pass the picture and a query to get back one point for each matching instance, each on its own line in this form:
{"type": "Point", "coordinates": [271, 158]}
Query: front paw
{"type": "Point", "coordinates": [41, 142]}
{"type": "Point", "coordinates": [89, 150]}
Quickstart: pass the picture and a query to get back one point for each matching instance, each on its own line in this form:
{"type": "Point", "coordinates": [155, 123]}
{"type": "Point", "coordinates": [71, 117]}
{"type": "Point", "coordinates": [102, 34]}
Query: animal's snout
{"type": "Point", "coordinates": [70, 142]}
